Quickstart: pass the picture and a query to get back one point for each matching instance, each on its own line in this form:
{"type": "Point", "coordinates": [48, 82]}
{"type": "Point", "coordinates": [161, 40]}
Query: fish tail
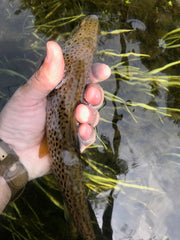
{"type": "Point", "coordinates": [68, 174]}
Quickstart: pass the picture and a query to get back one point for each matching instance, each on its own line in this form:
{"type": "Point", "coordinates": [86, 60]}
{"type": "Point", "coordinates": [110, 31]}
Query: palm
{"type": "Point", "coordinates": [22, 121]}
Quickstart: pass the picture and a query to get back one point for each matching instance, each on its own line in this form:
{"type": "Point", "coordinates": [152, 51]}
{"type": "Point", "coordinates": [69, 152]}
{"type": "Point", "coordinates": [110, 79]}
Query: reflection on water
{"type": "Point", "coordinates": [139, 129]}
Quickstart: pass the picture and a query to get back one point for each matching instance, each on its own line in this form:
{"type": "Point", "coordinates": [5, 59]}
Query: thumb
{"type": "Point", "coordinates": [46, 78]}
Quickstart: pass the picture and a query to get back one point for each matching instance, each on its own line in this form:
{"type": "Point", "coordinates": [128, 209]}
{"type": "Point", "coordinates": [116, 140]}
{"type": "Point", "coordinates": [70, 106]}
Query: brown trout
{"type": "Point", "coordinates": [62, 127]}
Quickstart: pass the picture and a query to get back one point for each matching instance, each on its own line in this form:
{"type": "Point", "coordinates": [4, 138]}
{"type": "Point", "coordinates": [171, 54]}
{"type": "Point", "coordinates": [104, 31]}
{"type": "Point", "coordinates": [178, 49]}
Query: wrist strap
{"type": "Point", "coordinates": [12, 170]}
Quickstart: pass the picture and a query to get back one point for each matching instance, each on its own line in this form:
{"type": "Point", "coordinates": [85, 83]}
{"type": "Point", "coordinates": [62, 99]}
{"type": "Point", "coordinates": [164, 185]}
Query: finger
{"type": "Point", "coordinates": [46, 78]}
{"type": "Point", "coordinates": [99, 72]}
{"type": "Point", "coordinates": [87, 135]}
{"type": "Point", "coordinates": [87, 114]}
{"type": "Point", "coordinates": [94, 95]}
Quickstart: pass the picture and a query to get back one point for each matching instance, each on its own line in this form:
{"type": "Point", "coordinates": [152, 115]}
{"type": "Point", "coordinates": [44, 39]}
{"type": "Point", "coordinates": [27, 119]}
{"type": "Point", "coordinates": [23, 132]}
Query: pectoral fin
{"type": "Point", "coordinates": [43, 149]}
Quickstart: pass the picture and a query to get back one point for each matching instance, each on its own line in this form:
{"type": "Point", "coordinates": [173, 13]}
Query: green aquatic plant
{"type": "Point", "coordinates": [129, 74]}
{"type": "Point", "coordinates": [170, 39]}
{"type": "Point", "coordinates": [24, 219]}
{"type": "Point", "coordinates": [145, 81]}
{"type": "Point", "coordinates": [104, 183]}
{"type": "Point", "coordinates": [135, 76]}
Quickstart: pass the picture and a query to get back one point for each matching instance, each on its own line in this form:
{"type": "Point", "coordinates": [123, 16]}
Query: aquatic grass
{"type": "Point", "coordinates": [165, 111]}
{"type": "Point", "coordinates": [110, 52]}
{"type": "Point", "coordinates": [137, 75]}
{"type": "Point", "coordinates": [99, 181]}
{"type": "Point", "coordinates": [111, 97]}
{"type": "Point", "coordinates": [117, 31]}
{"type": "Point", "coordinates": [170, 38]}
{"type": "Point", "coordinates": [173, 154]}
{"type": "Point", "coordinates": [105, 120]}
{"type": "Point", "coordinates": [50, 196]}
{"type": "Point", "coordinates": [4, 96]}
{"type": "Point", "coordinates": [54, 7]}
{"type": "Point", "coordinates": [130, 75]}
{"type": "Point", "coordinates": [94, 165]}
{"type": "Point", "coordinates": [25, 227]}
{"type": "Point", "coordinates": [104, 183]}
{"type": "Point", "coordinates": [50, 26]}
{"type": "Point", "coordinates": [148, 82]}
{"type": "Point", "coordinates": [177, 148]}
{"type": "Point", "coordinates": [13, 73]}
{"type": "Point", "coordinates": [158, 70]}
{"type": "Point", "coordinates": [14, 232]}
{"type": "Point", "coordinates": [172, 162]}
{"type": "Point", "coordinates": [144, 204]}
{"type": "Point", "coordinates": [60, 22]}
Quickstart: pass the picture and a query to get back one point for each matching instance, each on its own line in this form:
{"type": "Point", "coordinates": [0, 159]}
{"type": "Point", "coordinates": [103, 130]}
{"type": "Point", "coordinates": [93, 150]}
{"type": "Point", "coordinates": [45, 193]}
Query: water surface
{"type": "Point", "coordinates": [139, 131]}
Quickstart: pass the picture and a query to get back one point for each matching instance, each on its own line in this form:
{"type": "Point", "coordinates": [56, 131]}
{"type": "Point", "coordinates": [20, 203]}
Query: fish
{"type": "Point", "coordinates": [62, 128]}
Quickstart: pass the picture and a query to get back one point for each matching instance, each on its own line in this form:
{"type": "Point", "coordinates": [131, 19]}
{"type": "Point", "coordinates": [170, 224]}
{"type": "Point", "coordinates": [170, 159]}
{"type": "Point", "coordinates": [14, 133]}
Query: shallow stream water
{"type": "Point", "coordinates": [138, 142]}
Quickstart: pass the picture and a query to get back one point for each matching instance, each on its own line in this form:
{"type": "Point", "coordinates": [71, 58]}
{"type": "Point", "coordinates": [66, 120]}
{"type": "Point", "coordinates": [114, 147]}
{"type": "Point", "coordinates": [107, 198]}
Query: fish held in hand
{"type": "Point", "coordinates": [62, 128]}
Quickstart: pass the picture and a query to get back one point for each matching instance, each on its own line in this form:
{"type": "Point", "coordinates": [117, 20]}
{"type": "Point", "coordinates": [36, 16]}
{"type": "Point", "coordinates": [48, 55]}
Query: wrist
{"type": "Point", "coordinates": [36, 165]}
{"type": "Point", "coordinates": [12, 170]}
{"type": "Point", "coordinates": [5, 194]}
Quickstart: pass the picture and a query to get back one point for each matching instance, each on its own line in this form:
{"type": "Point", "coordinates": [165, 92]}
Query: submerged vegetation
{"type": "Point", "coordinates": [143, 91]}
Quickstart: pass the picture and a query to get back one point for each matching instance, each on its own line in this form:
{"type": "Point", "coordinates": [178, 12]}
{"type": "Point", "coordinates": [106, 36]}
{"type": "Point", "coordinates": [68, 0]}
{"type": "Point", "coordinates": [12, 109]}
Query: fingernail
{"type": "Point", "coordinates": [48, 55]}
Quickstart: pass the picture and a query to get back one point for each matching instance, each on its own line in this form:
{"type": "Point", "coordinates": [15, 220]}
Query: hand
{"type": "Point", "coordinates": [22, 120]}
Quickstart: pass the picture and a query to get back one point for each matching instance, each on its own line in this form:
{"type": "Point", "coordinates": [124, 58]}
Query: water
{"type": "Point", "coordinates": [139, 127]}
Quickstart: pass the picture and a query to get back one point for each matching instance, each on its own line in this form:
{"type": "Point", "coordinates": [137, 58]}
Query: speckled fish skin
{"type": "Point", "coordinates": [62, 127]}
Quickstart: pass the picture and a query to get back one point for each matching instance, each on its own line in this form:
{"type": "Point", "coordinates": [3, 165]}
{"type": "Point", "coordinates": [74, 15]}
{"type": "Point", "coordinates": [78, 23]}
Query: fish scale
{"type": "Point", "coordinates": [62, 127]}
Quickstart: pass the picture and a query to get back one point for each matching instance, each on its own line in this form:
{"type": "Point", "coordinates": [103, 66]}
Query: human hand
{"type": "Point", "coordinates": [23, 119]}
